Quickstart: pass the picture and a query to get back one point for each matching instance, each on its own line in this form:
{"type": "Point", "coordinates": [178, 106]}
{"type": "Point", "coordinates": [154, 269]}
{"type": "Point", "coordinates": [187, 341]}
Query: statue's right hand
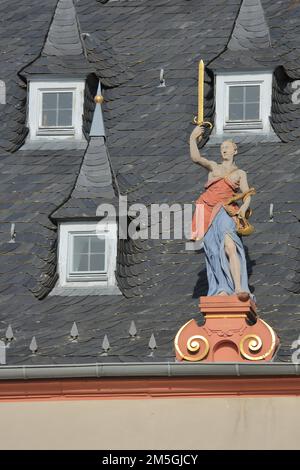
{"type": "Point", "coordinates": [198, 132]}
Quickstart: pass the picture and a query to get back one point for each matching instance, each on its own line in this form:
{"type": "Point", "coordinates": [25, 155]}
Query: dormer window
{"type": "Point", "coordinates": [87, 254]}
{"type": "Point", "coordinates": [55, 109]}
{"type": "Point", "coordinates": [243, 102]}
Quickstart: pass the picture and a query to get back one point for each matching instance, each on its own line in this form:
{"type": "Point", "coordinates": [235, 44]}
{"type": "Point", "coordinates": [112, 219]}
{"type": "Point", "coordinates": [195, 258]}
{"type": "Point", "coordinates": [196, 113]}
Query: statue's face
{"type": "Point", "coordinates": [228, 150]}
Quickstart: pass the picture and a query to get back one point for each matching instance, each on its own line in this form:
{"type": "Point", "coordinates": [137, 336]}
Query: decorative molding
{"type": "Point", "coordinates": [150, 387]}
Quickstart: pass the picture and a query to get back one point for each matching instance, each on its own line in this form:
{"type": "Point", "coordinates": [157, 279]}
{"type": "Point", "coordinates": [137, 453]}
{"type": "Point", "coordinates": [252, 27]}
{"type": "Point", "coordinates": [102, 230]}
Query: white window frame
{"type": "Point", "coordinates": [36, 90]}
{"type": "Point", "coordinates": [223, 83]}
{"type": "Point", "coordinates": [67, 231]}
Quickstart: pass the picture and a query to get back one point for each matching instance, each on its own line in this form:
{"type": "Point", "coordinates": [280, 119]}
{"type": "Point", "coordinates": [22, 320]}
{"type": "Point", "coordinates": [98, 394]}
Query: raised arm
{"type": "Point", "coordinates": [196, 136]}
{"type": "Point", "coordinates": [244, 186]}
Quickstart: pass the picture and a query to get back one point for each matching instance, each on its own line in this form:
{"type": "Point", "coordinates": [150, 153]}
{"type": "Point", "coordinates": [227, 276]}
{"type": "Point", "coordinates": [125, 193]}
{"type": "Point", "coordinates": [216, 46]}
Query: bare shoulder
{"type": "Point", "coordinates": [214, 165]}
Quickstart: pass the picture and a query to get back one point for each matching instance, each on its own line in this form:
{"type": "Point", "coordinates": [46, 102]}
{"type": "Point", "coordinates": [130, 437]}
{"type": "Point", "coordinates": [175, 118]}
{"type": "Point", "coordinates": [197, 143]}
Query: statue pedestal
{"type": "Point", "coordinates": [232, 333]}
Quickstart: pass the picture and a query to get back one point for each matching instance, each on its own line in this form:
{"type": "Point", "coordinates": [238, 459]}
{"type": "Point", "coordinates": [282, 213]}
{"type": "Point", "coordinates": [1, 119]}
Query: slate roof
{"type": "Point", "coordinates": [146, 157]}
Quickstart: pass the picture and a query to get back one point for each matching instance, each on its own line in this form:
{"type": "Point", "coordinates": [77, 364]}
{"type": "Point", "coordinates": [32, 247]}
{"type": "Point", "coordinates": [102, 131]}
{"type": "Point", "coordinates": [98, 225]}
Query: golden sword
{"type": "Point", "coordinates": [199, 120]}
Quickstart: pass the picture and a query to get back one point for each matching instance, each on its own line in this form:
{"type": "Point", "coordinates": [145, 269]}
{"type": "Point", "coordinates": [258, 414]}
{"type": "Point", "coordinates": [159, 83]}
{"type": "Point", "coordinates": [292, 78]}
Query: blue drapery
{"type": "Point", "coordinates": [217, 264]}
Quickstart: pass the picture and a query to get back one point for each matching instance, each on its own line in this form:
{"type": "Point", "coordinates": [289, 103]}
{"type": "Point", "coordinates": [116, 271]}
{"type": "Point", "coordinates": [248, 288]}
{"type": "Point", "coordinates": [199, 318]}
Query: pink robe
{"type": "Point", "coordinates": [218, 192]}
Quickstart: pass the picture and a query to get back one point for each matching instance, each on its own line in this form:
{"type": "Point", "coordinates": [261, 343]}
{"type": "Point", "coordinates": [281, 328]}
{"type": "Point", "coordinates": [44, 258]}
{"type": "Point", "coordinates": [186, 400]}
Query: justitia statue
{"type": "Point", "coordinates": [218, 220]}
{"type": "Point", "coordinates": [231, 329]}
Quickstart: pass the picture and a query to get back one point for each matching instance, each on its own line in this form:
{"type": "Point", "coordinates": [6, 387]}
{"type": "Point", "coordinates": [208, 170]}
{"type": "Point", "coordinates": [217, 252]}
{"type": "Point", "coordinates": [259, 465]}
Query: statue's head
{"type": "Point", "coordinates": [228, 150]}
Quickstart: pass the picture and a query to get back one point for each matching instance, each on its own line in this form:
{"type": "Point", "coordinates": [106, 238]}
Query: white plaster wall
{"type": "Point", "coordinates": [178, 423]}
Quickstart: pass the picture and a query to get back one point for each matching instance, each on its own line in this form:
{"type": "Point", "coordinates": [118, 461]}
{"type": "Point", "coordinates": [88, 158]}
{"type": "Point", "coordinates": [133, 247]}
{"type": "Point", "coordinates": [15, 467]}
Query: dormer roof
{"type": "Point", "coordinates": [249, 46]}
{"type": "Point", "coordinates": [63, 52]}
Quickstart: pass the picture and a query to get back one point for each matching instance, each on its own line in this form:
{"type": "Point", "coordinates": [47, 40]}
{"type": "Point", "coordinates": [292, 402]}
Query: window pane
{"type": "Point", "coordinates": [236, 94]}
{"type": "Point", "coordinates": [49, 101]}
{"type": "Point", "coordinates": [88, 253]}
{"type": "Point", "coordinates": [57, 109]}
{"type": "Point", "coordinates": [64, 118]}
{"type": "Point", "coordinates": [252, 111]}
{"type": "Point", "coordinates": [97, 262]}
{"type": "Point", "coordinates": [80, 262]}
{"type": "Point", "coordinates": [252, 94]}
{"type": "Point", "coordinates": [65, 100]}
{"type": "Point", "coordinates": [49, 118]}
{"type": "Point", "coordinates": [236, 112]}
{"type": "Point", "coordinates": [97, 245]}
{"type": "Point", "coordinates": [81, 244]}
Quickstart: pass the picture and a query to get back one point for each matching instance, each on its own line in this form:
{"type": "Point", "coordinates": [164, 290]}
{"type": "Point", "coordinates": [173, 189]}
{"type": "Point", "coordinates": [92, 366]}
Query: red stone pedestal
{"type": "Point", "coordinates": [232, 333]}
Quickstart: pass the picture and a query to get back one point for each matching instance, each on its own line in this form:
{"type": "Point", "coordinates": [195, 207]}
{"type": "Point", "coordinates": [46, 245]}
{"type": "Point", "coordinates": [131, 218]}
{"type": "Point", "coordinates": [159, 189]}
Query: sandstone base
{"type": "Point", "coordinates": [232, 333]}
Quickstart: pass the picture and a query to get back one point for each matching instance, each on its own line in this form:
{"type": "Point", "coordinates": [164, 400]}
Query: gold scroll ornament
{"type": "Point", "coordinates": [199, 120]}
{"type": "Point", "coordinates": [254, 343]}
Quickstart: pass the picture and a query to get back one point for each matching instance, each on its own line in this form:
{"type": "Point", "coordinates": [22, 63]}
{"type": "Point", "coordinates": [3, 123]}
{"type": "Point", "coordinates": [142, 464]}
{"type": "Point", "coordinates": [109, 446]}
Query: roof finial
{"type": "Point", "coordinates": [97, 129]}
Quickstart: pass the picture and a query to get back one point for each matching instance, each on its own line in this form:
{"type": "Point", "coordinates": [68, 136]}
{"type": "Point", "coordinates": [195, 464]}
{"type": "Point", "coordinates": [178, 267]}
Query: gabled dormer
{"type": "Point", "coordinates": [56, 80]}
{"type": "Point", "coordinates": [243, 76]}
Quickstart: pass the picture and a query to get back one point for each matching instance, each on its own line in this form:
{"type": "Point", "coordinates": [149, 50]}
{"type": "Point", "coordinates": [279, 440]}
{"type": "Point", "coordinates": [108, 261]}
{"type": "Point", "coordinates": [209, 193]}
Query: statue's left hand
{"type": "Point", "coordinates": [242, 212]}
